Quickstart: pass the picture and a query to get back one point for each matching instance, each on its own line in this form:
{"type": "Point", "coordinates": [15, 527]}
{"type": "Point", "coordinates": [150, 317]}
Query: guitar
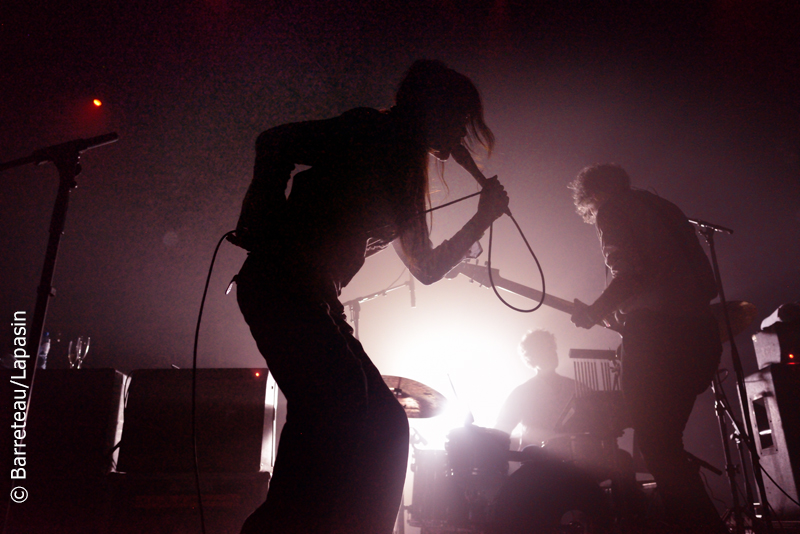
{"type": "Point", "coordinates": [741, 313]}
{"type": "Point", "coordinates": [480, 274]}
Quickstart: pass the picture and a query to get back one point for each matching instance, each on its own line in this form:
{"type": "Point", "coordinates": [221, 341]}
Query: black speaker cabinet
{"type": "Point", "coordinates": [235, 422]}
{"type": "Point", "coordinates": [773, 396]}
{"type": "Point", "coordinates": [75, 420]}
{"type": "Point", "coordinates": [73, 424]}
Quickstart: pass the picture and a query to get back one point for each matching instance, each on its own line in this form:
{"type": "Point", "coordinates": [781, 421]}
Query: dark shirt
{"type": "Point", "coordinates": [355, 199]}
{"type": "Point", "coordinates": [655, 258]}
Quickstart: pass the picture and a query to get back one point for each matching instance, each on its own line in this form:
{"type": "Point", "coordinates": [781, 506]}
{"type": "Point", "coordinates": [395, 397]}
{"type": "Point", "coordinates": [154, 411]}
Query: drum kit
{"type": "Point", "coordinates": [469, 488]}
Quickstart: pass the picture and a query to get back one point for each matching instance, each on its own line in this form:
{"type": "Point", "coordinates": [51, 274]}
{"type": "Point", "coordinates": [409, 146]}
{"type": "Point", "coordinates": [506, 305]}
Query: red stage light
{"type": "Point", "coordinates": [97, 102]}
{"type": "Point", "coordinates": [258, 373]}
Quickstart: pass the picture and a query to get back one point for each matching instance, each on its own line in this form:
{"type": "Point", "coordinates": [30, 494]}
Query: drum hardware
{"type": "Point", "coordinates": [431, 491]}
{"type": "Point", "coordinates": [418, 400]}
{"type": "Point", "coordinates": [599, 413]}
{"type": "Point", "coordinates": [477, 460]}
{"type": "Point", "coordinates": [592, 423]}
{"type": "Point", "coordinates": [598, 457]}
{"type": "Point", "coordinates": [467, 487]}
{"type": "Point", "coordinates": [455, 489]}
{"type": "Point", "coordinates": [731, 321]}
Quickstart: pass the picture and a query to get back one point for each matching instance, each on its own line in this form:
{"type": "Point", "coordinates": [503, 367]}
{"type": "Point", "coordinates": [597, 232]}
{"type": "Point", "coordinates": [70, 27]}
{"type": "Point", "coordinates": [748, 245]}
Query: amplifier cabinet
{"type": "Point", "coordinates": [74, 422]}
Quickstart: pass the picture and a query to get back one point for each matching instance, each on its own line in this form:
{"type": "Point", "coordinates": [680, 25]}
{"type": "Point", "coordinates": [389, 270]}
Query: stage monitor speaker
{"type": "Point", "coordinates": [773, 396]}
{"type": "Point", "coordinates": [235, 422]}
{"type": "Point", "coordinates": [779, 344]}
{"type": "Point", "coordinates": [74, 421]}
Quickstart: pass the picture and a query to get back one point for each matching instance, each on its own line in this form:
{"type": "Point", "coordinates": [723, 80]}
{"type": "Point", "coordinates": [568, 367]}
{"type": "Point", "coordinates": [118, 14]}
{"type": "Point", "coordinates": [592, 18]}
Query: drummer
{"type": "Point", "coordinates": [531, 411]}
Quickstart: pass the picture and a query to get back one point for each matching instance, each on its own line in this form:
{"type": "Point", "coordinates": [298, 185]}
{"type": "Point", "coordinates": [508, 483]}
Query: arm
{"type": "Point", "coordinates": [429, 264]}
{"type": "Point", "coordinates": [627, 266]}
{"type": "Point", "coordinates": [278, 150]}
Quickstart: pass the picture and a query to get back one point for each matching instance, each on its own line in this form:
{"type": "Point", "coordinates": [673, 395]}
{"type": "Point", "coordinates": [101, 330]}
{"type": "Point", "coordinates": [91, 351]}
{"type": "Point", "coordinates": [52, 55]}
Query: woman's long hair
{"type": "Point", "coordinates": [430, 87]}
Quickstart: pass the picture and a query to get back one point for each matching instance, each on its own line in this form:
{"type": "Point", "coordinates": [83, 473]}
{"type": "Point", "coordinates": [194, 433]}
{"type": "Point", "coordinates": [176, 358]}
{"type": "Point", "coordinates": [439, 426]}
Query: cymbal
{"type": "Point", "coordinates": [418, 400]}
{"type": "Point", "coordinates": [741, 313]}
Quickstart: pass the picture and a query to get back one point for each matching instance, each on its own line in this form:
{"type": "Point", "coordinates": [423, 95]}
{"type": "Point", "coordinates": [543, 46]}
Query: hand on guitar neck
{"type": "Point", "coordinates": [581, 316]}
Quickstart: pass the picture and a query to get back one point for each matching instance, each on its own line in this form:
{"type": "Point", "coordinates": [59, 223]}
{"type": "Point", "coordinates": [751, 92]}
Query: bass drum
{"type": "Point", "coordinates": [584, 451]}
{"type": "Point", "coordinates": [549, 496]}
{"type": "Point", "coordinates": [433, 495]}
{"type": "Point", "coordinates": [477, 461]}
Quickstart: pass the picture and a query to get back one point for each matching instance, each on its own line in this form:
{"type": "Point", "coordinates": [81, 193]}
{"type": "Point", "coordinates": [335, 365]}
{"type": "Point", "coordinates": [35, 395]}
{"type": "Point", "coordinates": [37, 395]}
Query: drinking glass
{"type": "Point", "coordinates": [76, 351]}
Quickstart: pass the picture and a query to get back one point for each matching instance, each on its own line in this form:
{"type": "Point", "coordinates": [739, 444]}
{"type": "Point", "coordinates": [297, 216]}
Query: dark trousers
{"type": "Point", "coordinates": [343, 452]}
{"type": "Point", "coordinates": [667, 362]}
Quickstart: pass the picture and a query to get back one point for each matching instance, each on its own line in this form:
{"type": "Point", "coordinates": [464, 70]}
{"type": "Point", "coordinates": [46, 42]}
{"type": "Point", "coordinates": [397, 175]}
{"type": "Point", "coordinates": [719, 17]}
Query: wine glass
{"type": "Point", "coordinates": [76, 351]}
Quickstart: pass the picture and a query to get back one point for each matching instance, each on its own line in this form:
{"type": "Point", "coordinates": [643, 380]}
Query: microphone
{"type": "Point", "coordinates": [411, 290]}
{"type": "Point", "coordinates": [715, 227]}
{"type": "Point", "coordinates": [464, 158]}
{"type": "Point", "coordinates": [78, 146]}
{"type": "Point", "coordinates": [62, 153]}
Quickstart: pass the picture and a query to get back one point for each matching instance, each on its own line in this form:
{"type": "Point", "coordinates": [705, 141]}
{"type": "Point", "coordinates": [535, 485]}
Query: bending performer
{"type": "Point", "coordinates": [661, 287]}
{"type": "Point", "coordinates": [342, 457]}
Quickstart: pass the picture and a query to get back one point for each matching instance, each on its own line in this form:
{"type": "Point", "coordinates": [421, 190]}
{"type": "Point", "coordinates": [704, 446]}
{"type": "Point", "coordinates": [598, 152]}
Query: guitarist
{"type": "Point", "coordinates": [660, 289]}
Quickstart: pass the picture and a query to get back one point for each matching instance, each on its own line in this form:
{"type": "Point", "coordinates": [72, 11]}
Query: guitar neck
{"type": "Point", "coordinates": [533, 294]}
{"type": "Point", "coordinates": [481, 275]}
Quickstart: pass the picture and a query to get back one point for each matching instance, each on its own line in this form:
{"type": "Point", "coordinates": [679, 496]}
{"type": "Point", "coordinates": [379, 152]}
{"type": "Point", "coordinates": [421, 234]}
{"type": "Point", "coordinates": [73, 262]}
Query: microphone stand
{"type": "Point", "coordinates": [743, 435]}
{"type": "Point", "coordinates": [66, 158]}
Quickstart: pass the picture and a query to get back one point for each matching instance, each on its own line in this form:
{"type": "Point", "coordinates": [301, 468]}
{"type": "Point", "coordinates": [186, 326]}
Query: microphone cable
{"type": "Point", "coordinates": [533, 255]}
{"type": "Point", "coordinates": [489, 255]}
{"type": "Point", "coordinates": [194, 385]}
{"type": "Point", "coordinates": [489, 252]}
{"type": "Point", "coordinates": [462, 156]}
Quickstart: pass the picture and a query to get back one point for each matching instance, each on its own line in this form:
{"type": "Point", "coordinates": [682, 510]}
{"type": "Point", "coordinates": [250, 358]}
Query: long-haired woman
{"type": "Point", "coordinates": [343, 452]}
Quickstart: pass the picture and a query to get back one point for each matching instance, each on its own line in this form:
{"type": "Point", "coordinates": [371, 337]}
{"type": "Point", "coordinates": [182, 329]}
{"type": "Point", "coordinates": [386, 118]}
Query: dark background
{"type": "Point", "coordinates": [697, 100]}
